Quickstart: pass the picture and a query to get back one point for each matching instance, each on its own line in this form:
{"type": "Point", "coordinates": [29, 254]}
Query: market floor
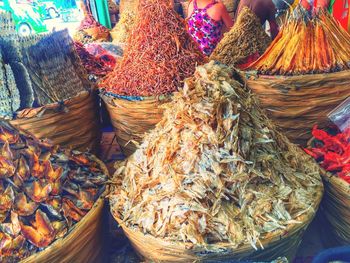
{"type": "Point", "coordinates": [119, 250]}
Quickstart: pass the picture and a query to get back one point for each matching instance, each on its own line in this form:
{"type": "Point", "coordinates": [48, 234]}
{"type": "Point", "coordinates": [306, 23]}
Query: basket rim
{"type": "Point", "coordinates": [306, 219]}
{"type": "Point", "coordinates": [52, 106]}
{"type": "Point", "coordinates": [57, 243]}
{"type": "Point", "coordinates": [256, 75]}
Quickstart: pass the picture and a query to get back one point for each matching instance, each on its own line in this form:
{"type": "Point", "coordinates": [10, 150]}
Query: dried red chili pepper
{"type": "Point", "coordinates": [333, 152]}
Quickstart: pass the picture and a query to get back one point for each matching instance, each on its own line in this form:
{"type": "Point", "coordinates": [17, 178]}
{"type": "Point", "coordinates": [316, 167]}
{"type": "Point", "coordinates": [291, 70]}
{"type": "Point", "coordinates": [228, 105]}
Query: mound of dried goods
{"type": "Point", "coordinates": [121, 31]}
{"type": "Point", "coordinates": [215, 169]}
{"type": "Point", "coordinates": [91, 31]}
{"type": "Point", "coordinates": [93, 65]}
{"type": "Point", "coordinates": [44, 190]}
{"type": "Point", "coordinates": [332, 151]}
{"type": "Point", "coordinates": [246, 38]}
{"type": "Point", "coordinates": [159, 54]}
{"type": "Point", "coordinates": [306, 46]}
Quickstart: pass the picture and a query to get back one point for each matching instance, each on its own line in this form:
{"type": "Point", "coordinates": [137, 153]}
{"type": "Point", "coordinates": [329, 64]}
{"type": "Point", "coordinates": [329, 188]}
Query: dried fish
{"type": "Point", "coordinates": [39, 202]}
{"type": "Point", "coordinates": [214, 169]}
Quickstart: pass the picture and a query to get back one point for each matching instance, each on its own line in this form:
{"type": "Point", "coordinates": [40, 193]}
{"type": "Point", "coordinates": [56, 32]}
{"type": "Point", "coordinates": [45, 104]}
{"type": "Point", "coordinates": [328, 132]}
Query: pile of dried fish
{"type": "Point", "coordinates": [215, 169]}
{"type": "Point", "coordinates": [159, 54]}
{"type": "Point", "coordinates": [306, 46]}
{"type": "Point", "coordinates": [122, 30]}
{"type": "Point", "coordinates": [247, 37]}
{"type": "Point", "coordinates": [44, 190]}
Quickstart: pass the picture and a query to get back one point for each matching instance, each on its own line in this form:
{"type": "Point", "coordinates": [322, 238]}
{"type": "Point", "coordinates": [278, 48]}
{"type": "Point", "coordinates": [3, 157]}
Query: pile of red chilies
{"type": "Point", "coordinates": [93, 65]}
{"type": "Point", "coordinates": [332, 152]}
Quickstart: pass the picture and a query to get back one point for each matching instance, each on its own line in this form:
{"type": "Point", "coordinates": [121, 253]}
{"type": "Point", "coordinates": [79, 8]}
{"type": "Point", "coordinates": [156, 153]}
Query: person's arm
{"type": "Point", "coordinates": [189, 8]}
{"type": "Point", "coordinates": [225, 16]}
{"type": "Point", "coordinates": [273, 24]}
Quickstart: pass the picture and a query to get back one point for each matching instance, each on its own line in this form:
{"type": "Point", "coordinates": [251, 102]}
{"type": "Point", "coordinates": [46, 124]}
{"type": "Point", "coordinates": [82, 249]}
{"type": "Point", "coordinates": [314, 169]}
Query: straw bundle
{"type": "Point", "coordinates": [129, 121]}
{"type": "Point", "coordinates": [297, 103]}
{"type": "Point", "coordinates": [73, 123]}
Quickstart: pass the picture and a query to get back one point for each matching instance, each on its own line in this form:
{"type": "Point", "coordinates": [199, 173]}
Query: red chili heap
{"type": "Point", "coordinates": [332, 152]}
{"type": "Point", "coordinates": [159, 55]}
{"type": "Point", "coordinates": [93, 65]}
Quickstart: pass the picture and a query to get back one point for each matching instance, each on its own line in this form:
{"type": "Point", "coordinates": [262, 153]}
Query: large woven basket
{"type": "Point", "coordinates": [73, 124]}
{"type": "Point", "coordinates": [231, 6]}
{"type": "Point", "coordinates": [283, 243]}
{"type": "Point", "coordinates": [297, 103]}
{"type": "Point", "coordinates": [85, 241]}
{"type": "Point", "coordinates": [132, 119]}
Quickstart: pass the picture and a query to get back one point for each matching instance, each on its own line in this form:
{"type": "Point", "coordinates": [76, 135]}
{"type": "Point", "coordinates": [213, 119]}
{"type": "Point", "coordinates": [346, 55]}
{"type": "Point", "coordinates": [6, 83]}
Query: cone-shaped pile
{"type": "Point", "coordinates": [159, 55]}
{"type": "Point", "coordinates": [306, 46]}
{"type": "Point", "coordinates": [215, 169]}
{"type": "Point", "coordinates": [247, 37]}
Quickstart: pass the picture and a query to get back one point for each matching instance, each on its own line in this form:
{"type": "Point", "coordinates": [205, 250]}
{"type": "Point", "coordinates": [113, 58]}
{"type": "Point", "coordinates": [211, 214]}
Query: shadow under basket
{"type": "Point", "coordinates": [73, 124]}
{"type": "Point", "coordinates": [297, 103]}
{"type": "Point", "coordinates": [132, 119]}
{"type": "Point", "coordinates": [84, 243]}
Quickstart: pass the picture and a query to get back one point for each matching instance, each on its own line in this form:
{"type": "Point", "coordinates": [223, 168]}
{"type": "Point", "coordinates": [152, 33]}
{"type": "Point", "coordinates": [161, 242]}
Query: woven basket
{"type": "Point", "coordinates": [283, 243]}
{"type": "Point", "coordinates": [85, 241]}
{"type": "Point", "coordinates": [132, 119]}
{"type": "Point", "coordinates": [231, 6]}
{"type": "Point", "coordinates": [76, 125]}
{"type": "Point", "coordinates": [297, 103]}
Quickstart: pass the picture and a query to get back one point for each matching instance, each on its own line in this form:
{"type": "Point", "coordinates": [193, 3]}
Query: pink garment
{"type": "Point", "coordinates": [206, 31]}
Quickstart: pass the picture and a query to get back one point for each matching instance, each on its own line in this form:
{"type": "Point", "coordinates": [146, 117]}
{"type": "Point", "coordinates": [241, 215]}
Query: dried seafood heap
{"type": "Point", "coordinates": [306, 46]}
{"type": "Point", "coordinates": [332, 151]}
{"type": "Point", "coordinates": [122, 30]}
{"type": "Point", "coordinates": [247, 37]}
{"type": "Point", "coordinates": [93, 65]}
{"type": "Point", "coordinates": [159, 54]}
{"type": "Point", "coordinates": [91, 31]}
{"type": "Point", "coordinates": [44, 190]}
{"type": "Point", "coordinates": [215, 169]}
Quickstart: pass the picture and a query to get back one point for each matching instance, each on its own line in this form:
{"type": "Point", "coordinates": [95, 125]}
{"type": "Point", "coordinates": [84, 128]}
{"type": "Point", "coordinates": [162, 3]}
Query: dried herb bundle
{"type": "Point", "coordinates": [306, 46]}
{"type": "Point", "coordinates": [214, 169]}
{"type": "Point", "coordinates": [247, 37]}
{"type": "Point", "coordinates": [159, 54]}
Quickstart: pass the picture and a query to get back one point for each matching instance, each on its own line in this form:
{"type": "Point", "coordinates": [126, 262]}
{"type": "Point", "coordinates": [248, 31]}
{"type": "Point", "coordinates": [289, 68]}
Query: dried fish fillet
{"type": "Point", "coordinates": [214, 169]}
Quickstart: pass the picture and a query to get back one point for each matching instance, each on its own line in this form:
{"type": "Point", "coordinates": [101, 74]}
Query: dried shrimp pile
{"type": "Point", "coordinates": [306, 46]}
{"type": "Point", "coordinates": [159, 54]}
{"type": "Point", "coordinates": [44, 190]}
{"type": "Point", "coordinates": [93, 65]}
{"type": "Point", "coordinates": [122, 30]}
{"type": "Point", "coordinates": [247, 37]}
{"type": "Point", "coordinates": [214, 169]}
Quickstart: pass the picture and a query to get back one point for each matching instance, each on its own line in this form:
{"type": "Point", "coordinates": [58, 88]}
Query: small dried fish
{"type": "Point", "coordinates": [214, 169]}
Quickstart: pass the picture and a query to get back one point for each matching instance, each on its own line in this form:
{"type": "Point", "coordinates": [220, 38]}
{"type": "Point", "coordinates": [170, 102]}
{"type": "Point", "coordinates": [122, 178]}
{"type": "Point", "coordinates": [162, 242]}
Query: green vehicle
{"type": "Point", "coordinates": [28, 18]}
